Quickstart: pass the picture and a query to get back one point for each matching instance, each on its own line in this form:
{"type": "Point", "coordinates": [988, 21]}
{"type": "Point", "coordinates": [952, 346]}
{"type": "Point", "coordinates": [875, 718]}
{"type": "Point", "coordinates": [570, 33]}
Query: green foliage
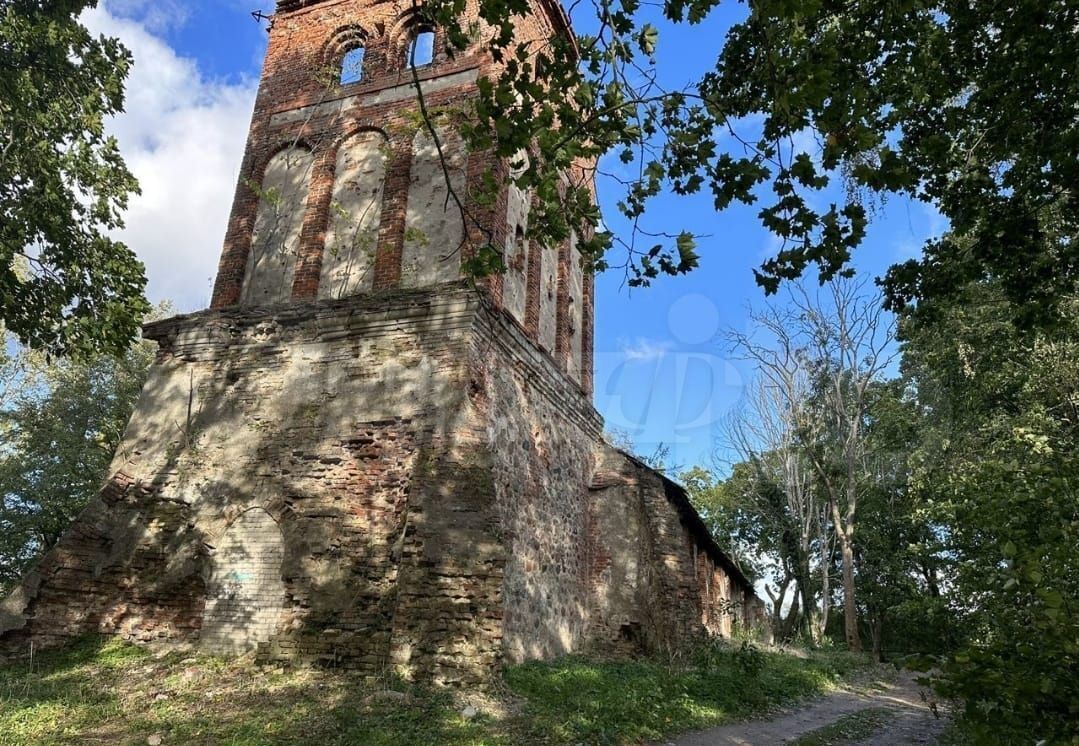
{"type": "Point", "coordinates": [61, 421]}
{"type": "Point", "coordinates": [65, 285]}
{"type": "Point", "coordinates": [964, 552]}
{"type": "Point", "coordinates": [102, 689]}
{"type": "Point", "coordinates": [581, 701]}
{"type": "Point", "coordinates": [904, 566]}
{"type": "Point", "coordinates": [750, 660]}
{"type": "Point", "coordinates": [745, 534]}
{"type": "Point", "coordinates": [962, 106]}
{"type": "Point", "coordinates": [996, 466]}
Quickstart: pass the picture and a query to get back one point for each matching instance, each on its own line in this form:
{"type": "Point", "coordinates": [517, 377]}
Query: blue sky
{"type": "Point", "coordinates": [662, 375]}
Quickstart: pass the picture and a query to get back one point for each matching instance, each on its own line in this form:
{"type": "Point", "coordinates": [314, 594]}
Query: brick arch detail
{"type": "Point", "coordinates": [355, 213]}
{"type": "Point", "coordinates": [399, 35]}
{"type": "Point", "coordinates": [344, 40]}
{"type": "Point", "coordinates": [246, 592]}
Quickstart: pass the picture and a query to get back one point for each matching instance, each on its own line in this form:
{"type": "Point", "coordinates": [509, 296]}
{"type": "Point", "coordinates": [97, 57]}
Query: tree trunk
{"type": "Point", "coordinates": [778, 623]}
{"type": "Point", "coordinates": [877, 630]}
{"type": "Point", "coordinates": [850, 610]}
{"type": "Point", "coordinates": [805, 587]}
{"type": "Point", "coordinates": [931, 580]}
{"type": "Point", "coordinates": [825, 589]}
{"type": "Point", "coordinates": [790, 625]}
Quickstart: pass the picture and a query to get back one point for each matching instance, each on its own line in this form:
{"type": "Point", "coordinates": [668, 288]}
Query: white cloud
{"type": "Point", "coordinates": [155, 15]}
{"type": "Point", "coordinates": [183, 136]}
{"type": "Point", "coordinates": [643, 349]}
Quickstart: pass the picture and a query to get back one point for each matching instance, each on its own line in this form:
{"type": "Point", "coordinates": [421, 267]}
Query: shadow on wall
{"type": "Point", "coordinates": [347, 463]}
{"type": "Point", "coordinates": [541, 465]}
{"type": "Point", "coordinates": [245, 596]}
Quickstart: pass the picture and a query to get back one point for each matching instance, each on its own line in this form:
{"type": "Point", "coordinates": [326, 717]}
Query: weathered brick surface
{"type": "Point", "coordinates": [128, 566]}
{"type": "Point", "coordinates": [246, 594]}
{"type": "Point", "coordinates": [417, 231]}
{"type": "Point", "coordinates": [432, 497]}
{"type": "Point", "coordinates": [349, 461]}
{"type": "Point", "coordinates": [656, 580]}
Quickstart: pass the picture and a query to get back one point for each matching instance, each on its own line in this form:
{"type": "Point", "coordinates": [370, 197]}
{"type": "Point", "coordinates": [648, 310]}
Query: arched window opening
{"type": "Point", "coordinates": [421, 50]}
{"type": "Point", "coordinates": [520, 257]}
{"type": "Point", "coordinates": [352, 66]}
{"type": "Point", "coordinates": [540, 68]}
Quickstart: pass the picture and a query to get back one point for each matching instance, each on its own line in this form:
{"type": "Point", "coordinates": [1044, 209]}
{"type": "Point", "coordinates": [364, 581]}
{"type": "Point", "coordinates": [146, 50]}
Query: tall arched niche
{"type": "Point", "coordinates": [355, 216]}
{"type": "Point", "coordinates": [275, 241]}
{"type": "Point", "coordinates": [434, 228]}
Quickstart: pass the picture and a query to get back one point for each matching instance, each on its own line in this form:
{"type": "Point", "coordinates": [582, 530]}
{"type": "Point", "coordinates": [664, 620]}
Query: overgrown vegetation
{"type": "Point", "coordinates": [104, 690]}
{"type": "Point", "coordinates": [61, 420]}
{"type": "Point", "coordinates": [576, 700]}
{"type": "Point", "coordinates": [964, 471]}
{"type": "Point", "coordinates": [964, 106]}
{"type": "Point", "coordinates": [942, 499]}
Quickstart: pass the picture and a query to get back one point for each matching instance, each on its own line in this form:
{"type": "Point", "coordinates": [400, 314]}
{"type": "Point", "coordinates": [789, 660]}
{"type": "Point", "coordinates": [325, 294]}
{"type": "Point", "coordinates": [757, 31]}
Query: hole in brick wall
{"type": "Point", "coordinates": [421, 50]}
{"type": "Point", "coordinates": [352, 66]}
{"type": "Point", "coordinates": [631, 633]}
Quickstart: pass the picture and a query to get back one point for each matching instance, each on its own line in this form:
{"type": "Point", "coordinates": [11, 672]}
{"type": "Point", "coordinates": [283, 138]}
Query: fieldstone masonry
{"type": "Point", "coordinates": [355, 458]}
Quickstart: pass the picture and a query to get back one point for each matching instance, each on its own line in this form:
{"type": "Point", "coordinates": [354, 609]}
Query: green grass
{"type": "Point", "coordinates": [576, 700]}
{"type": "Point", "coordinates": [954, 736]}
{"type": "Point", "coordinates": [104, 691]}
{"type": "Point", "coordinates": [849, 728]}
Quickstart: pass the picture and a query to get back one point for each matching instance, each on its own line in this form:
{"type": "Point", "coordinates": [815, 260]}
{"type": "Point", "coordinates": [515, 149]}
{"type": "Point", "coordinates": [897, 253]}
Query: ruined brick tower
{"type": "Point", "coordinates": [357, 455]}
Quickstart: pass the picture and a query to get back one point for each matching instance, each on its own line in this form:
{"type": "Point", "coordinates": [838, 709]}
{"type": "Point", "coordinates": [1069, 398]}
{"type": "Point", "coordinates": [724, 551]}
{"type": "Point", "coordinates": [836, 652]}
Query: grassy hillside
{"type": "Point", "coordinates": [104, 691]}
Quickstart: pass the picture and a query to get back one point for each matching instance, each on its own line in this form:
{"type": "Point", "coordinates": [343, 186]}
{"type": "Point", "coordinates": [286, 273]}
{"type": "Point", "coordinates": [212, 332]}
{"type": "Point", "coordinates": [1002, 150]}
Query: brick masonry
{"type": "Point", "coordinates": [414, 232]}
{"type": "Point", "coordinates": [435, 492]}
{"type": "Point", "coordinates": [354, 459]}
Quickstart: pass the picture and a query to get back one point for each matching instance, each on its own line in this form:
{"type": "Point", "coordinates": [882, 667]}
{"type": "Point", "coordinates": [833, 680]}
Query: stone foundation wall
{"type": "Point", "coordinates": [400, 481]}
{"type": "Point", "coordinates": [541, 433]}
{"type": "Point", "coordinates": [338, 423]}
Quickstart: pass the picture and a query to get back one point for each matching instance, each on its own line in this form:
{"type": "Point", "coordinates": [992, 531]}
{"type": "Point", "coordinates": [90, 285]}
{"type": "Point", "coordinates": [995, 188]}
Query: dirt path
{"type": "Point", "coordinates": [910, 720]}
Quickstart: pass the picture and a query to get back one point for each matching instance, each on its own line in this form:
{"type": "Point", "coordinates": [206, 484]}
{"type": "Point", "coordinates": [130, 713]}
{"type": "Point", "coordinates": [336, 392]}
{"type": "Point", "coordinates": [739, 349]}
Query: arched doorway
{"type": "Point", "coordinates": [245, 595]}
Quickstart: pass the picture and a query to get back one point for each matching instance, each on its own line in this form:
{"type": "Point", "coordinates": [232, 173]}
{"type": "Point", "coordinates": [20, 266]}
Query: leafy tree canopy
{"type": "Point", "coordinates": [994, 465]}
{"type": "Point", "coordinates": [966, 106]}
{"type": "Point", "coordinates": [65, 285]}
{"type": "Point", "coordinates": [60, 423]}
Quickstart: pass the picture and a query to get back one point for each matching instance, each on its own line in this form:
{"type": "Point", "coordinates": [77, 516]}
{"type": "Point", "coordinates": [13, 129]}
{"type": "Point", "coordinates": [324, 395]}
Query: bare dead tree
{"type": "Point", "coordinates": [851, 345]}
{"type": "Point", "coordinates": [764, 432]}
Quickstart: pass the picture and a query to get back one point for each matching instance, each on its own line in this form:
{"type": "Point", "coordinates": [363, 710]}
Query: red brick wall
{"type": "Point", "coordinates": [299, 102]}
